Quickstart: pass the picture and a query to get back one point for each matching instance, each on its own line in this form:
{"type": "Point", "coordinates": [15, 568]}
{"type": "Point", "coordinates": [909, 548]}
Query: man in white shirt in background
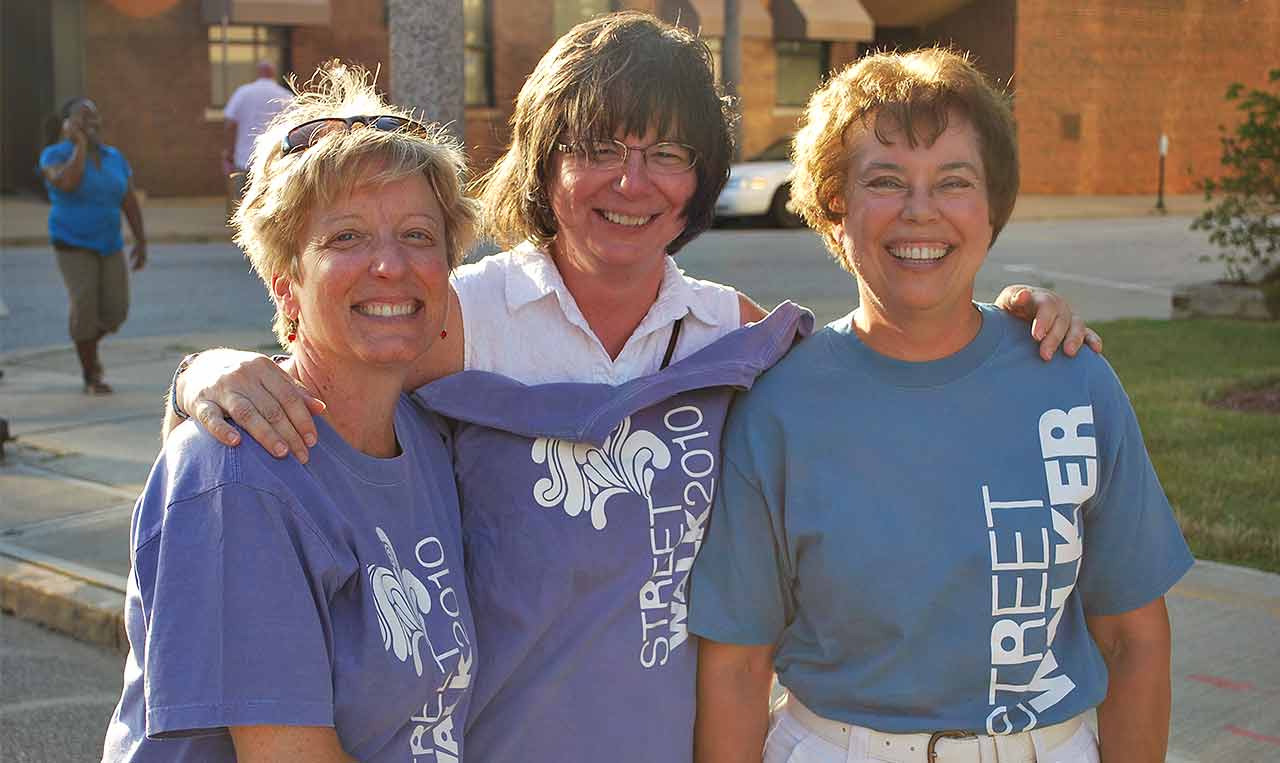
{"type": "Point", "coordinates": [246, 114]}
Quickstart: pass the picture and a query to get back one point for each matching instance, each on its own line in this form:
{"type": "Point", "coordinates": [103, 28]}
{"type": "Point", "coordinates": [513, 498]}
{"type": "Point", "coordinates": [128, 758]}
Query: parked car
{"type": "Point", "coordinates": [761, 186]}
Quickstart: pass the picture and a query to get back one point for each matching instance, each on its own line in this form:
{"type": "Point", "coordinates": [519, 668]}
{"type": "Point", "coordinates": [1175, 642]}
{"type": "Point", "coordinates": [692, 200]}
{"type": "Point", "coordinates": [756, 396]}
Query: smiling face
{"type": "Point", "coordinates": [917, 224]}
{"type": "Point", "coordinates": [373, 278]}
{"type": "Point", "coordinates": [617, 220]}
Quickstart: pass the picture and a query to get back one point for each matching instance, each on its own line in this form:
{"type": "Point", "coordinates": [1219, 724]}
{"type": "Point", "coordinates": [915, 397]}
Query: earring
{"type": "Point", "coordinates": [292, 336]}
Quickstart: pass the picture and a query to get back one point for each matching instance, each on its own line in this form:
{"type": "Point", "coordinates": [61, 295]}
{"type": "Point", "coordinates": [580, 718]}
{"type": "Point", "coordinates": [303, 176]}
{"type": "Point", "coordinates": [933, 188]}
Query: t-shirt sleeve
{"type": "Point", "coordinates": [740, 590]}
{"type": "Point", "coordinates": [238, 628]}
{"type": "Point", "coordinates": [56, 154]}
{"type": "Point", "coordinates": [1133, 548]}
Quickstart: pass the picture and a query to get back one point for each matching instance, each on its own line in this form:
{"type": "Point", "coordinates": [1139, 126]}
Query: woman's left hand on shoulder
{"type": "Point", "coordinates": [1053, 323]}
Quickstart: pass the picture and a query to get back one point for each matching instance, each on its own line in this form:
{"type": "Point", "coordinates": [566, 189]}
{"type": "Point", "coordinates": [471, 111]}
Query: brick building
{"type": "Point", "coordinates": [1096, 82]}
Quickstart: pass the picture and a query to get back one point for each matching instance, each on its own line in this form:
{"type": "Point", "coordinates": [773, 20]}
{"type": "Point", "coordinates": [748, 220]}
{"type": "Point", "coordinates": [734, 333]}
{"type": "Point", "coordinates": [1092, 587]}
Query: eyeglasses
{"type": "Point", "coordinates": [304, 135]}
{"type": "Point", "coordinates": [661, 158]}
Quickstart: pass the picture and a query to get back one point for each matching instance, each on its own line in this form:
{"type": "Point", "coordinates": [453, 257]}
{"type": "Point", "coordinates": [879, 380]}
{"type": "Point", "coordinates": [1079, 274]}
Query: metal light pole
{"type": "Point", "coordinates": [1164, 151]}
{"type": "Point", "coordinates": [427, 72]}
{"type": "Point", "coordinates": [731, 66]}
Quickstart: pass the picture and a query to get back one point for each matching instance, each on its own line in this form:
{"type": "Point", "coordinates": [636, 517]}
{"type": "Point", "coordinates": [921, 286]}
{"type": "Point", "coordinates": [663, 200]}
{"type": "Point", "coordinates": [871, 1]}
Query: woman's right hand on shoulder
{"type": "Point", "coordinates": [72, 131]}
{"type": "Point", "coordinates": [257, 394]}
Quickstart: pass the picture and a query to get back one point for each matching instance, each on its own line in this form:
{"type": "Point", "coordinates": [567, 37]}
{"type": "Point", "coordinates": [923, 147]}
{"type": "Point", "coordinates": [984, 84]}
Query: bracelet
{"type": "Point", "coordinates": [173, 386]}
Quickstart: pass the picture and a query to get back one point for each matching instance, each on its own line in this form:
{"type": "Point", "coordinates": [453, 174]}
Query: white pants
{"type": "Point", "coordinates": [790, 741]}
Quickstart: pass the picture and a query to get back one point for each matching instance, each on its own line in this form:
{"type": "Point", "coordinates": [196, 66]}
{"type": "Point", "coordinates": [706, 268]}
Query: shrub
{"type": "Point", "coordinates": [1244, 223]}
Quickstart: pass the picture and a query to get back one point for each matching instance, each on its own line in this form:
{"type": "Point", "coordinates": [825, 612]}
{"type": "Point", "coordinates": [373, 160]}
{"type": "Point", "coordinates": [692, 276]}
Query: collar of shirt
{"type": "Point", "coordinates": [538, 278]}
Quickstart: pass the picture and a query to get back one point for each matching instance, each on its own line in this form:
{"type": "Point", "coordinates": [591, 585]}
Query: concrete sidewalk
{"type": "Point", "coordinates": [24, 220]}
{"type": "Point", "coordinates": [69, 481]}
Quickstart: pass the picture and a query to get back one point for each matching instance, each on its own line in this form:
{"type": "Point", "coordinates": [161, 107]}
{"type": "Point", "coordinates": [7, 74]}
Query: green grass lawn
{"type": "Point", "coordinates": [1220, 468]}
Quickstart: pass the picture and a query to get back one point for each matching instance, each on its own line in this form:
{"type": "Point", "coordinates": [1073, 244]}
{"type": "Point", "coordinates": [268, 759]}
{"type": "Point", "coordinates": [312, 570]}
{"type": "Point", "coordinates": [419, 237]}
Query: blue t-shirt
{"type": "Point", "coordinates": [89, 216]}
{"type": "Point", "coordinates": [264, 591]}
{"type": "Point", "coordinates": [583, 509]}
{"type": "Point", "coordinates": [923, 541]}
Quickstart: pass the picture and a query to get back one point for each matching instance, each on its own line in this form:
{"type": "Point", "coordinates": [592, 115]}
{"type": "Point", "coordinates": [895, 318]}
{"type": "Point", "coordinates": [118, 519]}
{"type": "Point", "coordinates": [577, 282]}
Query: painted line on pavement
{"type": "Point", "coordinates": [1246, 733]}
{"type": "Point", "coordinates": [34, 705]}
{"type": "Point", "coordinates": [86, 423]}
{"type": "Point", "coordinates": [42, 526]}
{"type": "Point", "coordinates": [1267, 604]}
{"type": "Point", "coordinates": [40, 471]}
{"type": "Point", "coordinates": [1223, 683]}
{"type": "Point", "coordinates": [1091, 280]}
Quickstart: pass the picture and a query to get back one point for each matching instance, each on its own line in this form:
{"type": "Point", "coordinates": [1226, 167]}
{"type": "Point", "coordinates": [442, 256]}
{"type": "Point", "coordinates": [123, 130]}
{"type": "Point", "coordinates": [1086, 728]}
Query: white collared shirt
{"type": "Point", "coordinates": [521, 321]}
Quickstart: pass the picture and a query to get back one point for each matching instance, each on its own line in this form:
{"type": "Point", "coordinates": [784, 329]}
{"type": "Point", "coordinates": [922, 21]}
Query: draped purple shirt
{"type": "Point", "coordinates": [583, 507]}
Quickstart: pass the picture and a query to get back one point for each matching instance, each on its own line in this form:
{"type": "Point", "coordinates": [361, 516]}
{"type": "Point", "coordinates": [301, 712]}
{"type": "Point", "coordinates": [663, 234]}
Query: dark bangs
{"type": "Point", "coordinates": [642, 73]}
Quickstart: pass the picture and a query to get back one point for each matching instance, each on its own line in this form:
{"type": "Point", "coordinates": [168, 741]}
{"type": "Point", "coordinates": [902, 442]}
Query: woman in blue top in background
{"type": "Point", "coordinates": [89, 184]}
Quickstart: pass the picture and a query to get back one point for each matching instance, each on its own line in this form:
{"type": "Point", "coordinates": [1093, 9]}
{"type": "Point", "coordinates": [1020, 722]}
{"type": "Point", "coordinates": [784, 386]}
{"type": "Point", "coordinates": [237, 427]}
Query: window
{"type": "Point", "coordinates": [716, 46]}
{"type": "Point", "coordinates": [478, 63]}
{"type": "Point", "coordinates": [801, 67]}
{"type": "Point", "coordinates": [232, 60]}
{"type": "Point", "coordinates": [569, 13]}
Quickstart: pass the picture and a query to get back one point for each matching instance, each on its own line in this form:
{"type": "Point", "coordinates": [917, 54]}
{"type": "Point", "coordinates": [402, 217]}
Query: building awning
{"type": "Point", "coordinates": [710, 21]}
{"type": "Point", "coordinates": [755, 19]}
{"type": "Point", "coordinates": [267, 12]}
{"type": "Point", "coordinates": [753, 16]}
{"type": "Point", "coordinates": [846, 20]}
{"type": "Point", "coordinates": [894, 13]}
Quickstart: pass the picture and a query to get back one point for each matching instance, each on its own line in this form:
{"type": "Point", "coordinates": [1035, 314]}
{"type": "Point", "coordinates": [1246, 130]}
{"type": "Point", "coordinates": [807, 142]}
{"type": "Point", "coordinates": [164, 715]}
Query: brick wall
{"type": "Point", "coordinates": [357, 33]}
{"type": "Point", "coordinates": [150, 79]}
{"type": "Point", "coordinates": [1098, 80]}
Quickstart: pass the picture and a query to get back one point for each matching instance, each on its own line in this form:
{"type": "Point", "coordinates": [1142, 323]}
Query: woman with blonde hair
{"type": "Point", "coordinates": [318, 612]}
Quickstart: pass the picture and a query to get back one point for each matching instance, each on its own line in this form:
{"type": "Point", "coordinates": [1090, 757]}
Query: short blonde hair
{"type": "Point", "coordinates": [283, 190]}
{"type": "Point", "coordinates": [915, 93]}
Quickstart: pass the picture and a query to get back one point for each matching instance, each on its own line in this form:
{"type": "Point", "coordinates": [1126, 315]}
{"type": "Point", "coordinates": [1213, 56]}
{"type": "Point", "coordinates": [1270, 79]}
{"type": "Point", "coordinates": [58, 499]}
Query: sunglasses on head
{"type": "Point", "coordinates": [304, 135]}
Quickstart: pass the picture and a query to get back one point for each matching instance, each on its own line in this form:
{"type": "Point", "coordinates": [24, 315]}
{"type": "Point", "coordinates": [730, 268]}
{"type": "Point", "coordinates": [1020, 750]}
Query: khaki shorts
{"type": "Point", "coordinates": [98, 286]}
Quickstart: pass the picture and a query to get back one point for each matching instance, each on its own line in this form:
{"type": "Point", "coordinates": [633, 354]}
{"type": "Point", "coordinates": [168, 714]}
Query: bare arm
{"type": "Point", "coordinates": [229, 127]}
{"type": "Point", "coordinates": [1053, 323]}
{"type": "Point", "coordinates": [748, 310]}
{"type": "Point", "coordinates": [66, 177]}
{"type": "Point", "coordinates": [133, 215]}
{"type": "Point", "coordinates": [282, 744]}
{"type": "Point", "coordinates": [733, 702]}
{"type": "Point", "coordinates": [1133, 720]}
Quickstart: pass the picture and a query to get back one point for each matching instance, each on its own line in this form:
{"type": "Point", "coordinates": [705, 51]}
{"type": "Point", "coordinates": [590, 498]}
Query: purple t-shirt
{"type": "Point", "coordinates": [268, 592]}
{"type": "Point", "coordinates": [583, 508]}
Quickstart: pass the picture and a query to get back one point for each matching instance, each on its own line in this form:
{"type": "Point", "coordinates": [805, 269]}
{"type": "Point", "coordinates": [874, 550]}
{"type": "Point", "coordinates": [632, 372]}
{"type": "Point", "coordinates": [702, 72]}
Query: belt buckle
{"type": "Point", "coordinates": [931, 755]}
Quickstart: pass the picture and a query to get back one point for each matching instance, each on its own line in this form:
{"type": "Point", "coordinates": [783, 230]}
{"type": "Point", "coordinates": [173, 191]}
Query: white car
{"type": "Point", "coordinates": [761, 186]}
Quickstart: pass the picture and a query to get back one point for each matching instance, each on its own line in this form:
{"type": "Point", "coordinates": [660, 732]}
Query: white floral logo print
{"type": "Point", "coordinates": [401, 601]}
{"type": "Point", "coordinates": [583, 477]}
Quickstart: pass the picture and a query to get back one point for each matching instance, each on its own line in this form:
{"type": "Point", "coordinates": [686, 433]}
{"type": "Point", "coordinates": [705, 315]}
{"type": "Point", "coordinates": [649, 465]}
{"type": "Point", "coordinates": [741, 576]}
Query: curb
{"type": "Point", "coordinates": [84, 610]}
